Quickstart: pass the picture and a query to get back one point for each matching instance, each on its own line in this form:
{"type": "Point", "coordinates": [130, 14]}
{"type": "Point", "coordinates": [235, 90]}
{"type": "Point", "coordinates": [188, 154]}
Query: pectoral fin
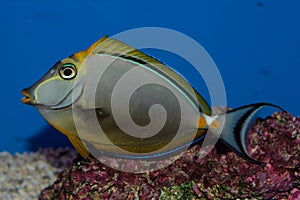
{"type": "Point", "coordinates": [79, 146]}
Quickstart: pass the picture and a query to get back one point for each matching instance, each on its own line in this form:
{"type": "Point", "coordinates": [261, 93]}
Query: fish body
{"type": "Point", "coordinates": [79, 93]}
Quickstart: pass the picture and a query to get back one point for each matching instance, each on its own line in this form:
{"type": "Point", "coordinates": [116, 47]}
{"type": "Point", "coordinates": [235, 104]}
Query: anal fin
{"type": "Point", "coordinates": [79, 146]}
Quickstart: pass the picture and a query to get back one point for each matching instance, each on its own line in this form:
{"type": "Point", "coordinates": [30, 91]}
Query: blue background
{"type": "Point", "coordinates": [255, 45]}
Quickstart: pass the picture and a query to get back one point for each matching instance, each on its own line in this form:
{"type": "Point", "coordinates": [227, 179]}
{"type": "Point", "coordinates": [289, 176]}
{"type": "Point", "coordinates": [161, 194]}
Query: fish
{"type": "Point", "coordinates": [63, 98]}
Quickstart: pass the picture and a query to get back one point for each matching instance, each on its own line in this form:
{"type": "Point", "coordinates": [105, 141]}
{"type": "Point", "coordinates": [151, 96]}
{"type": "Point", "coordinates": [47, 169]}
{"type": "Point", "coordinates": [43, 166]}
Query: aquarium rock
{"type": "Point", "coordinates": [220, 175]}
{"type": "Point", "coordinates": [23, 176]}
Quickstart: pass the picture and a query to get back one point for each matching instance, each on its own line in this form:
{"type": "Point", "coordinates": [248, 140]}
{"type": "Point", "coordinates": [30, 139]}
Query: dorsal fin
{"type": "Point", "coordinates": [110, 46]}
{"type": "Point", "coordinates": [113, 47]}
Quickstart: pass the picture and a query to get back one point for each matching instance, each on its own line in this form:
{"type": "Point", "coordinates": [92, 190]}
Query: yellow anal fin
{"type": "Point", "coordinates": [79, 146]}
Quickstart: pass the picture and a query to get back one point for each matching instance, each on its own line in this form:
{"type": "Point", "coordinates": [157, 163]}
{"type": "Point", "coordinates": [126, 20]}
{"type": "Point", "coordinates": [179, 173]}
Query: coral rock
{"type": "Point", "coordinates": [220, 175]}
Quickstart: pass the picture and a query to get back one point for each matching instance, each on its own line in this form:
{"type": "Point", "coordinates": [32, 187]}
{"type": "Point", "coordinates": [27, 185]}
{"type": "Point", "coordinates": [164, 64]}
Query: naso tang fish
{"type": "Point", "coordinates": [82, 87]}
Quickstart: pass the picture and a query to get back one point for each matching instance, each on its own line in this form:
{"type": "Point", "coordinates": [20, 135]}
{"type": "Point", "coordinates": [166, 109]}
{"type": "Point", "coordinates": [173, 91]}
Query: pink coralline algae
{"type": "Point", "coordinates": [59, 158]}
{"type": "Point", "coordinates": [220, 175]}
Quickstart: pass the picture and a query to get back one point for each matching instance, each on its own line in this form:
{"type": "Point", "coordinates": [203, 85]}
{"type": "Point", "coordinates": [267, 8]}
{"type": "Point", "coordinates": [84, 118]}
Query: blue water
{"type": "Point", "coordinates": [255, 45]}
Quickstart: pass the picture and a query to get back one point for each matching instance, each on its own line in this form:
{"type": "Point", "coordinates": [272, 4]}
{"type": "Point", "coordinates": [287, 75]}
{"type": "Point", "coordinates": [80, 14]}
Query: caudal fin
{"type": "Point", "coordinates": [237, 124]}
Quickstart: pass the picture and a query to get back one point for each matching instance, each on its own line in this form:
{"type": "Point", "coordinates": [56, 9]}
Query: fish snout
{"type": "Point", "coordinates": [28, 97]}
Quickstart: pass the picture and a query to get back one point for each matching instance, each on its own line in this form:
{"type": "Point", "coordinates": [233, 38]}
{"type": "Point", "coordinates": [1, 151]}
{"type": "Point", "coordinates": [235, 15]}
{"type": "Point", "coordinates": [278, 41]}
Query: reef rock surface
{"type": "Point", "coordinates": [220, 175]}
{"type": "Point", "coordinates": [23, 176]}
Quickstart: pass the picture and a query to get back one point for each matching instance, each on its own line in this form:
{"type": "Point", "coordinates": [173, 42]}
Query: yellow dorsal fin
{"type": "Point", "coordinates": [95, 45]}
{"type": "Point", "coordinates": [113, 47]}
{"type": "Point", "coordinates": [79, 146]}
{"type": "Point", "coordinates": [80, 56]}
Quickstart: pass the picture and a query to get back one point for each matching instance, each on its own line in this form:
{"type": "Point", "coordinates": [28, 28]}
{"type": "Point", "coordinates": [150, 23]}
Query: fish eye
{"type": "Point", "coordinates": [68, 71]}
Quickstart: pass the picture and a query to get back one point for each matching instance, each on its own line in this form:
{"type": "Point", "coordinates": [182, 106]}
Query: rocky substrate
{"type": "Point", "coordinates": [55, 174]}
{"type": "Point", "coordinates": [220, 175]}
{"type": "Point", "coordinates": [23, 176]}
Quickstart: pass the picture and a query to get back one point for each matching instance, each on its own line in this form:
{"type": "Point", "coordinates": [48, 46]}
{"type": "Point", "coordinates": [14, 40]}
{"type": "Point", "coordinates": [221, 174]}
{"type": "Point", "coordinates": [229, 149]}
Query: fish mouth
{"type": "Point", "coordinates": [27, 99]}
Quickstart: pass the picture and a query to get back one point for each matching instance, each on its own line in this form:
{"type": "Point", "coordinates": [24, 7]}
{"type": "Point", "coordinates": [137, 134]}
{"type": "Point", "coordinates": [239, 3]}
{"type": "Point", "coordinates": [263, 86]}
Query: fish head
{"type": "Point", "coordinates": [57, 88]}
{"type": "Point", "coordinates": [62, 84]}
{"type": "Point", "coordinates": [56, 92]}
